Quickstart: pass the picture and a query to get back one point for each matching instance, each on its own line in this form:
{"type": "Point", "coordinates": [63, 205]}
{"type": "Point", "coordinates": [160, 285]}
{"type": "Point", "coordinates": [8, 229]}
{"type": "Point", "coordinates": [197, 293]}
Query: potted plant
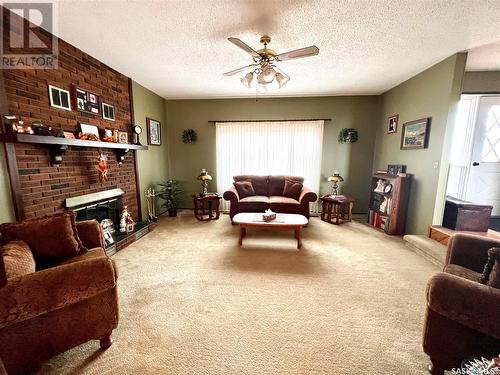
{"type": "Point", "coordinates": [171, 193]}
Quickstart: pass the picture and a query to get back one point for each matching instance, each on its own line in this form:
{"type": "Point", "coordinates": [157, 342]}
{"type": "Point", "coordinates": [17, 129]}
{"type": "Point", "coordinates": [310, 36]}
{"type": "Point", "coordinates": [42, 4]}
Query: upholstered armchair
{"type": "Point", "coordinates": [49, 311]}
{"type": "Point", "coordinates": [463, 315]}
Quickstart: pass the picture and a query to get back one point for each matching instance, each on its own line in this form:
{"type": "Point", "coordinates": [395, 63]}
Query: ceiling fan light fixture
{"type": "Point", "coordinates": [247, 79]}
{"type": "Point", "coordinates": [261, 81]}
{"type": "Point", "coordinates": [268, 74]}
{"type": "Point", "coordinates": [282, 79]}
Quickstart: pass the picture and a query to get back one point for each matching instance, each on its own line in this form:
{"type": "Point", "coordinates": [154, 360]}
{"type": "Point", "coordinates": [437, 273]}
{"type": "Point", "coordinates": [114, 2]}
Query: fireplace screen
{"type": "Point", "coordinates": [99, 211]}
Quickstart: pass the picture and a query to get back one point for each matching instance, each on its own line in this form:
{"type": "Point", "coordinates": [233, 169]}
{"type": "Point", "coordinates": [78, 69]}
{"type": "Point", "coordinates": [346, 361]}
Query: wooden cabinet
{"type": "Point", "coordinates": [389, 202]}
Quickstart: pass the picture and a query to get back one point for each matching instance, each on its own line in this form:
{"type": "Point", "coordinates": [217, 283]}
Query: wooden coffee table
{"type": "Point", "coordinates": [282, 221]}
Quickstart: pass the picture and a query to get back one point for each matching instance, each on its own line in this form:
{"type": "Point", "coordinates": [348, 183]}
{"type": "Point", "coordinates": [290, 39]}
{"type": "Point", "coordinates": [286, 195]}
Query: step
{"type": "Point", "coordinates": [427, 247]}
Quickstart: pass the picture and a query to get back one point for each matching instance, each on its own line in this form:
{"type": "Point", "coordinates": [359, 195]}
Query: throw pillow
{"type": "Point", "coordinates": [17, 259]}
{"type": "Point", "coordinates": [244, 189]}
{"type": "Point", "coordinates": [292, 189]}
{"type": "Point", "coordinates": [49, 237]}
{"type": "Point", "coordinates": [491, 272]}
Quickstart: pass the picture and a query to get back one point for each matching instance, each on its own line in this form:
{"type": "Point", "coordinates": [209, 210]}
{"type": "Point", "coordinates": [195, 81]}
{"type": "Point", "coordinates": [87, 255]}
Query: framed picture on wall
{"type": "Point", "coordinates": [154, 131]}
{"type": "Point", "coordinates": [86, 101]}
{"type": "Point", "coordinates": [415, 134]}
{"type": "Point", "coordinates": [59, 98]}
{"type": "Point", "coordinates": [392, 124]}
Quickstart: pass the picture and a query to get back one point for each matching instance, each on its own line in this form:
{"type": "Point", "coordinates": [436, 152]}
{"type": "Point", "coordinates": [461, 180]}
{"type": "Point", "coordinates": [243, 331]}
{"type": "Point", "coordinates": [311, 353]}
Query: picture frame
{"type": "Point", "coordinates": [415, 134]}
{"type": "Point", "coordinates": [89, 129]}
{"type": "Point", "coordinates": [59, 98]}
{"type": "Point", "coordinates": [69, 135]}
{"type": "Point", "coordinates": [86, 101]}
{"type": "Point", "coordinates": [122, 137]}
{"type": "Point", "coordinates": [108, 237]}
{"type": "Point", "coordinates": [108, 111]}
{"type": "Point", "coordinates": [154, 131]}
{"type": "Point", "coordinates": [392, 124]}
{"type": "Point", "coordinates": [395, 169]}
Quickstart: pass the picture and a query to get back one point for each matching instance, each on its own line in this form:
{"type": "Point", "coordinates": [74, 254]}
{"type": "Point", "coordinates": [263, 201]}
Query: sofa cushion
{"type": "Point", "coordinates": [292, 189]}
{"type": "Point", "coordinates": [491, 272]}
{"type": "Point", "coordinates": [17, 259]}
{"type": "Point", "coordinates": [256, 203]}
{"type": "Point", "coordinates": [259, 183]}
{"type": "Point", "coordinates": [244, 189]}
{"type": "Point", "coordinates": [50, 237]}
{"type": "Point", "coordinates": [279, 199]}
{"type": "Point", "coordinates": [256, 198]}
{"type": "Point", "coordinates": [276, 185]}
{"type": "Point", "coordinates": [91, 254]}
{"type": "Point", "coordinates": [463, 272]}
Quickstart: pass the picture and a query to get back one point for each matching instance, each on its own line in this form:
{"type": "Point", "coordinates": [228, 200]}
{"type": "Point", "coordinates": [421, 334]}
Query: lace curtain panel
{"type": "Point", "coordinates": [269, 148]}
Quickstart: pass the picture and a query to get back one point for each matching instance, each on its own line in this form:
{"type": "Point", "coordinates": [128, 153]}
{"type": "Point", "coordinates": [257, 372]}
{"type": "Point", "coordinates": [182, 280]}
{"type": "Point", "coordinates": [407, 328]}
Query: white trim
{"type": "Point", "coordinates": [51, 99]}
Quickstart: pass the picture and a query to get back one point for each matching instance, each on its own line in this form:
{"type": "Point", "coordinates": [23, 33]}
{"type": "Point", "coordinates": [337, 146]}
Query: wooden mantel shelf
{"type": "Point", "coordinates": [57, 146]}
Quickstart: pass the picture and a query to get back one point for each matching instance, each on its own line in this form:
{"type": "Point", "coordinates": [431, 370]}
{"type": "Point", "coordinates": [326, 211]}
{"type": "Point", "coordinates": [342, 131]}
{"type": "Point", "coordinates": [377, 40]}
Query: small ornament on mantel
{"type": "Point", "coordinates": [102, 167]}
{"type": "Point", "coordinates": [126, 222]}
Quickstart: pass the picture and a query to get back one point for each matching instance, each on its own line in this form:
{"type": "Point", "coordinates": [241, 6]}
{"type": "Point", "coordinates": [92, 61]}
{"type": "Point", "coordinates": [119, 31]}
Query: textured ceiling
{"type": "Point", "coordinates": [486, 57]}
{"type": "Point", "coordinates": [179, 48]}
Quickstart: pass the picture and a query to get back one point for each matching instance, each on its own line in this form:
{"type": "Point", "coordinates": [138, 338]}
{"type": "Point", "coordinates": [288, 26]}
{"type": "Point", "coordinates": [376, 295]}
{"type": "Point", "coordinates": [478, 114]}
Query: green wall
{"type": "Point", "coordinates": [6, 208]}
{"type": "Point", "coordinates": [354, 161]}
{"type": "Point", "coordinates": [152, 165]}
{"type": "Point", "coordinates": [481, 82]}
{"type": "Point", "coordinates": [432, 93]}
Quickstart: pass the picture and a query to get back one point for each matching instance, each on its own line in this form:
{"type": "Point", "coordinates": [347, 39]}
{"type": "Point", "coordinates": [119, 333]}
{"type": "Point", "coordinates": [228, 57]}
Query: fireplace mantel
{"type": "Point", "coordinates": [57, 146]}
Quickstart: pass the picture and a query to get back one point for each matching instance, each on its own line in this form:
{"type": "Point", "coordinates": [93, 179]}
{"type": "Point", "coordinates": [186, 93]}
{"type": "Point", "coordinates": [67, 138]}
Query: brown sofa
{"type": "Point", "coordinates": [49, 311]}
{"type": "Point", "coordinates": [269, 194]}
{"type": "Point", "coordinates": [463, 316]}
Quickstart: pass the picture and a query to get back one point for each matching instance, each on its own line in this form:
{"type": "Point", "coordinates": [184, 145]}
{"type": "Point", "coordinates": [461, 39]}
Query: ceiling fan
{"type": "Point", "coordinates": [264, 66]}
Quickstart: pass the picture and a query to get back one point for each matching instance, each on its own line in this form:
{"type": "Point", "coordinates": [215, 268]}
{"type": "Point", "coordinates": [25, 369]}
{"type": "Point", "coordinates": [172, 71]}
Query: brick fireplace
{"type": "Point", "coordinates": [39, 188]}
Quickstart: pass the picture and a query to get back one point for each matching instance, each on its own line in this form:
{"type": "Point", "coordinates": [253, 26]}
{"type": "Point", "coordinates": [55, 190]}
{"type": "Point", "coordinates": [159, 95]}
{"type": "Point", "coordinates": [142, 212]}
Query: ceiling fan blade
{"type": "Point", "coordinates": [239, 43]}
{"type": "Point", "coordinates": [298, 53]}
{"type": "Point", "coordinates": [233, 72]}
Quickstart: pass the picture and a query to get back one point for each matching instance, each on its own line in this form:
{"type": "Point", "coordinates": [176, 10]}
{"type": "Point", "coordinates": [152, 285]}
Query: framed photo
{"type": "Point", "coordinates": [395, 169]}
{"type": "Point", "coordinates": [392, 124]}
{"type": "Point", "coordinates": [68, 135]}
{"type": "Point", "coordinates": [415, 134]}
{"type": "Point", "coordinates": [86, 101]}
{"type": "Point", "coordinates": [59, 98]}
{"type": "Point", "coordinates": [108, 238]}
{"type": "Point", "coordinates": [154, 131]}
{"type": "Point", "coordinates": [122, 137]}
{"type": "Point", "coordinates": [108, 112]}
{"type": "Point", "coordinates": [89, 129]}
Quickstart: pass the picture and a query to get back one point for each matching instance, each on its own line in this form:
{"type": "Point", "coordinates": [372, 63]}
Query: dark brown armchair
{"type": "Point", "coordinates": [463, 316]}
{"type": "Point", "coordinates": [52, 310]}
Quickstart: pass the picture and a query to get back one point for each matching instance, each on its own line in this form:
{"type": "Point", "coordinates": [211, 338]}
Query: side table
{"type": "Point", "coordinates": [336, 209]}
{"type": "Point", "coordinates": [206, 207]}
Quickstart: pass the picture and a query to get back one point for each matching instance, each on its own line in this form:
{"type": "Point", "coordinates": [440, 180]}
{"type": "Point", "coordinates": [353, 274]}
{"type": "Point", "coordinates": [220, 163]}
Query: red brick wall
{"type": "Point", "coordinates": [44, 187]}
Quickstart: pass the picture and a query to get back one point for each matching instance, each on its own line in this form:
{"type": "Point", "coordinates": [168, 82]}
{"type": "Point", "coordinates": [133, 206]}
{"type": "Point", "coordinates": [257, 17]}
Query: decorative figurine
{"type": "Point", "coordinates": [380, 186]}
{"type": "Point", "coordinates": [126, 220]}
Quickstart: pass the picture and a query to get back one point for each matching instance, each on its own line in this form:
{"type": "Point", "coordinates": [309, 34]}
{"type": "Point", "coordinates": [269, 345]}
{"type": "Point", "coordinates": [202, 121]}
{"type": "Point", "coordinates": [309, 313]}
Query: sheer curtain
{"type": "Point", "coordinates": [266, 148]}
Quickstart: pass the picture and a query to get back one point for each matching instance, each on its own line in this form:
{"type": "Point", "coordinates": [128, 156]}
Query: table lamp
{"type": "Point", "coordinates": [335, 178]}
{"type": "Point", "coordinates": [204, 177]}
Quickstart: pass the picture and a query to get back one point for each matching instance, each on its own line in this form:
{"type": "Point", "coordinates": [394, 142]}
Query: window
{"type": "Point", "coordinates": [59, 98]}
{"type": "Point", "coordinates": [269, 148]}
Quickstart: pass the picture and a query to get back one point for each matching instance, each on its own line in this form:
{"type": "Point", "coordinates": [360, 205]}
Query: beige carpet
{"type": "Point", "coordinates": [193, 302]}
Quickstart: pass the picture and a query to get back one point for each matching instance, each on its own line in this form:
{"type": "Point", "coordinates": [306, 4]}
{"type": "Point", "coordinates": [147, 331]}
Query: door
{"type": "Point", "coordinates": [484, 174]}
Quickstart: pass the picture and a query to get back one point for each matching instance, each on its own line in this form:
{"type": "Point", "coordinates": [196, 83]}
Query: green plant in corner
{"type": "Point", "coordinates": [348, 135]}
{"type": "Point", "coordinates": [189, 136]}
{"type": "Point", "coordinates": [171, 193]}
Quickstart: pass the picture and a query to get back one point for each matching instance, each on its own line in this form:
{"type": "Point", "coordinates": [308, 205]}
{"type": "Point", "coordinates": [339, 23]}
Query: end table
{"type": "Point", "coordinates": [206, 207]}
{"type": "Point", "coordinates": [336, 209]}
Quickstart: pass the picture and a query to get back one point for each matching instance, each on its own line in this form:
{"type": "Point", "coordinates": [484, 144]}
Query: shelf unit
{"type": "Point", "coordinates": [392, 219]}
{"type": "Point", "coordinates": [57, 146]}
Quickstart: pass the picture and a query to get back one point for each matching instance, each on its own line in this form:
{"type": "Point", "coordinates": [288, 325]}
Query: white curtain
{"type": "Point", "coordinates": [269, 148]}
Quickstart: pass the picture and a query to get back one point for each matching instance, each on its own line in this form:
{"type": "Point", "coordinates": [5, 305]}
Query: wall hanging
{"type": "Point", "coordinates": [189, 136]}
{"type": "Point", "coordinates": [348, 135]}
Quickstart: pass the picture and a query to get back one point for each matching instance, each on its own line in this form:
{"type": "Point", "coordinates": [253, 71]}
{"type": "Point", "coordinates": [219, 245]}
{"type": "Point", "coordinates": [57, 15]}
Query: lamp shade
{"type": "Point", "coordinates": [204, 176]}
{"type": "Point", "coordinates": [247, 79]}
{"type": "Point", "coordinates": [336, 177]}
{"type": "Point", "coordinates": [282, 79]}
